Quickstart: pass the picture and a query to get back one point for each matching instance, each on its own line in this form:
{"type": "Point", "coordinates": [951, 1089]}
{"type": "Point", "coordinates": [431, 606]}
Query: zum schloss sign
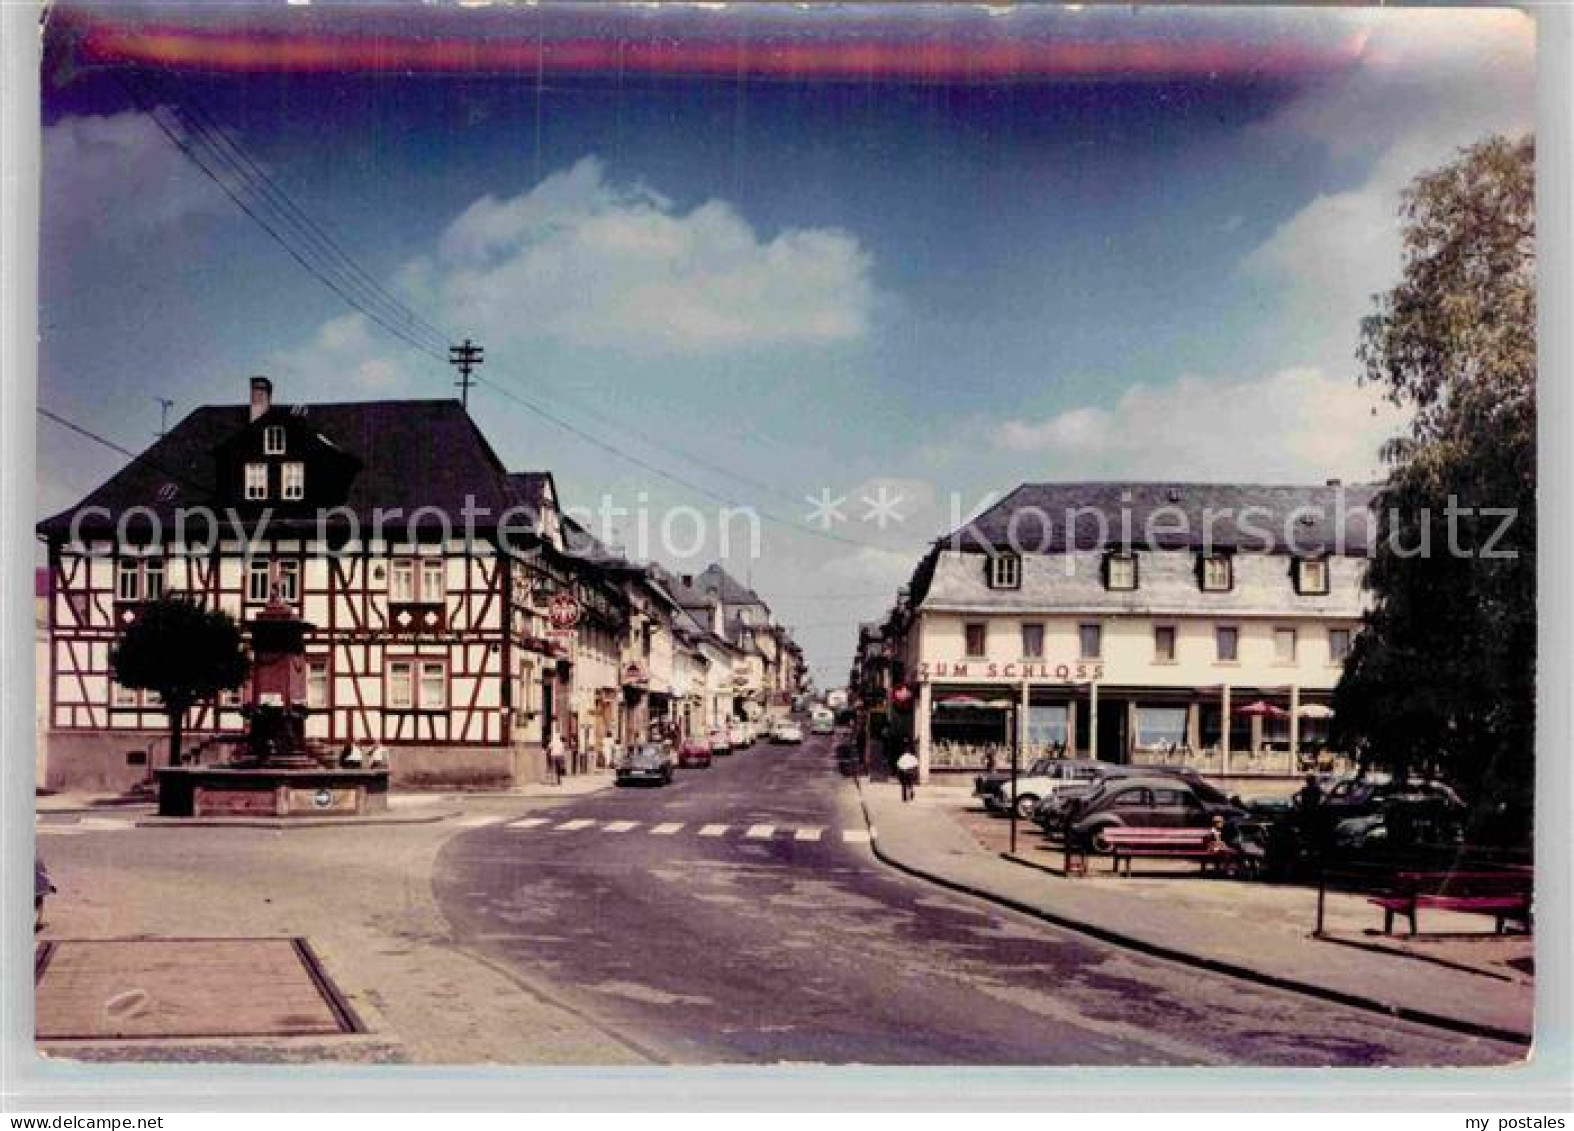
{"type": "Point", "coordinates": [1079, 672]}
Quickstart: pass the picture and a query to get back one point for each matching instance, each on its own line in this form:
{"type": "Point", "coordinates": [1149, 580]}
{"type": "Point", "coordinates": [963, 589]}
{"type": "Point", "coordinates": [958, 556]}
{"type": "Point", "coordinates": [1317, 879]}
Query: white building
{"type": "Point", "coordinates": [1136, 622]}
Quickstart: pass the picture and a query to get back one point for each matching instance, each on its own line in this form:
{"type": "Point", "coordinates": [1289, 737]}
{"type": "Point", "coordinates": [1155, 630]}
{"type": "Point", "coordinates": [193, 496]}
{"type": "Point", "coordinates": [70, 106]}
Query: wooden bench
{"type": "Point", "coordinates": [1503, 895]}
{"type": "Point", "coordinates": [1127, 844]}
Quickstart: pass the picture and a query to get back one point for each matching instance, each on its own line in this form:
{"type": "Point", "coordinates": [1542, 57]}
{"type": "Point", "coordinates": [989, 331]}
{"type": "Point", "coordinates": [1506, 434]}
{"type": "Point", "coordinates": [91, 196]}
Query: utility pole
{"type": "Point", "coordinates": [465, 358]}
{"type": "Point", "coordinates": [164, 405]}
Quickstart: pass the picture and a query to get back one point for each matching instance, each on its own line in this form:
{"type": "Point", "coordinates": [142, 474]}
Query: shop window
{"type": "Point", "coordinates": [1217, 573]}
{"type": "Point", "coordinates": [1090, 641]}
{"type": "Point", "coordinates": [976, 639]}
{"type": "Point", "coordinates": [1120, 571]}
{"type": "Point", "coordinates": [1311, 576]}
{"type": "Point", "coordinates": [1005, 571]}
{"type": "Point", "coordinates": [1033, 641]}
{"type": "Point", "coordinates": [1226, 644]}
{"type": "Point", "coordinates": [1164, 644]}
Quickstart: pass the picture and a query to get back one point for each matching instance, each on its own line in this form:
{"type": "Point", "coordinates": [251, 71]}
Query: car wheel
{"type": "Point", "coordinates": [1099, 841]}
{"type": "Point", "coordinates": [1025, 806]}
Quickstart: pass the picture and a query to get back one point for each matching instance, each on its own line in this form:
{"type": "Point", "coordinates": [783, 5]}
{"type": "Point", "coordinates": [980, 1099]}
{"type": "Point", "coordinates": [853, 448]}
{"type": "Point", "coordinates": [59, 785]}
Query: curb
{"type": "Point", "coordinates": [289, 822]}
{"type": "Point", "coordinates": [1202, 962]}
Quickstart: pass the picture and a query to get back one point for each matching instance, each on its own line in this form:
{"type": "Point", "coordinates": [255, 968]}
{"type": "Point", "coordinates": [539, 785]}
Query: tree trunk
{"type": "Point", "coordinates": [177, 719]}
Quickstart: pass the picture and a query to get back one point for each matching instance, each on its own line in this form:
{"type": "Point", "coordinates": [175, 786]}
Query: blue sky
{"type": "Point", "coordinates": [931, 285]}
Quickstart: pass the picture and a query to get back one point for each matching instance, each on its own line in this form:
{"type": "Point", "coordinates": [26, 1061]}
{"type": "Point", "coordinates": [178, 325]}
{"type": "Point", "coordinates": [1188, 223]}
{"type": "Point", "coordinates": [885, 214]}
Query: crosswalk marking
{"type": "Point", "coordinates": [666, 828]}
{"type": "Point", "coordinates": [760, 832]}
{"type": "Point", "coordinates": [575, 825]}
{"type": "Point", "coordinates": [713, 830]}
{"type": "Point", "coordinates": [619, 826]}
{"type": "Point", "coordinates": [857, 836]}
{"type": "Point", "coordinates": [808, 834]}
{"type": "Point", "coordinates": [83, 825]}
{"type": "Point", "coordinates": [529, 822]}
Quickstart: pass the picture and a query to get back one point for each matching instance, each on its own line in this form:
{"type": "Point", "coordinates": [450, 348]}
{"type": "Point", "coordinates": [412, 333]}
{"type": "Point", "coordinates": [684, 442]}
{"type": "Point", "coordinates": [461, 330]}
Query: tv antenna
{"type": "Point", "coordinates": [164, 405]}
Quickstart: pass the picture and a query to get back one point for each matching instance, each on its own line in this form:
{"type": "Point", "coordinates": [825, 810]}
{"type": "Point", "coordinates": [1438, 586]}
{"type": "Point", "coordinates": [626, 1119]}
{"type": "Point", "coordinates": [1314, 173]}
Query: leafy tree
{"type": "Point", "coordinates": [1443, 675]}
{"type": "Point", "coordinates": [184, 652]}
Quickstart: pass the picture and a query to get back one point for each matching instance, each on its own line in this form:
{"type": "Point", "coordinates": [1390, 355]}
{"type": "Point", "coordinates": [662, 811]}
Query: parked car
{"type": "Point", "coordinates": [740, 734]}
{"type": "Point", "coordinates": [1147, 802]}
{"type": "Point", "coordinates": [1046, 778]}
{"type": "Point", "coordinates": [720, 743]}
{"type": "Point", "coordinates": [822, 723]}
{"type": "Point", "coordinates": [787, 732]}
{"type": "Point", "coordinates": [1054, 809]}
{"type": "Point", "coordinates": [694, 751]}
{"type": "Point", "coordinates": [645, 763]}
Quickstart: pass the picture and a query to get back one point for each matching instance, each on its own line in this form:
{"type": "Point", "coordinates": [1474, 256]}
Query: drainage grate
{"type": "Point", "coordinates": [166, 989]}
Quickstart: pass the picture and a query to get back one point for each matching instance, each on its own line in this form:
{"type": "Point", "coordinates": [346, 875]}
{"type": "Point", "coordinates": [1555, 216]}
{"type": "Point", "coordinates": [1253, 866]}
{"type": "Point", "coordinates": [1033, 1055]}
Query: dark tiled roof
{"type": "Point", "coordinates": [1036, 516]}
{"type": "Point", "coordinates": [732, 592]}
{"type": "Point", "coordinates": [413, 454]}
{"type": "Point", "coordinates": [528, 488]}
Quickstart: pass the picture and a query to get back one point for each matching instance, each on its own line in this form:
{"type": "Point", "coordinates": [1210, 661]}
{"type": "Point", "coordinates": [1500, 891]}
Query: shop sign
{"type": "Point", "coordinates": [635, 675]}
{"type": "Point", "coordinates": [1082, 671]}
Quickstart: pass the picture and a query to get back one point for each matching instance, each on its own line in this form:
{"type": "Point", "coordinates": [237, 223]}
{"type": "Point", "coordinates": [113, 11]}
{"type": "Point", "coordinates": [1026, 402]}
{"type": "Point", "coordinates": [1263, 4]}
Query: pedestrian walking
{"type": "Point", "coordinates": [907, 773]}
{"type": "Point", "coordinates": [557, 753]}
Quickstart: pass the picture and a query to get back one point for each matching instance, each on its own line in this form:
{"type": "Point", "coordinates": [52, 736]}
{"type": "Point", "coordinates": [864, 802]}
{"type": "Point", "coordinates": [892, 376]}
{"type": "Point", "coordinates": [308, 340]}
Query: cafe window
{"type": "Point", "coordinates": [1338, 645]}
{"type": "Point", "coordinates": [1120, 571]}
{"type": "Point", "coordinates": [256, 481]}
{"type": "Point", "coordinates": [1164, 644]}
{"type": "Point", "coordinates": [1090, 641]}
{"type": "Point", "coordinates": [292, 481]}
{"type": "Point", "coordinates": [1005, 571]}
{"type": "Point", "coordinates": [1226, 643]}
{"type": "Point", "coordinates": [1311, 576]}
{"type": "Point", "coordinates": [1160, 727]}
{"type": "Point", "coordinates": [1032, 641]}
{"type": "Point", "coordinates": [273, 440]}
{"type": "Point", "coordinates": [1284, 645]}
{"type": "Point", "coordinates": [976, 639]}
{"type": "Point", "coordinates": [1217, 573]}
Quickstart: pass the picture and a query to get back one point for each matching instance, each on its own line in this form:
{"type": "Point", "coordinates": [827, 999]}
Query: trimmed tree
{"type": "Point", "coordinates": [184, 652]}
{"type": "Point", "coordinates": [1442, 678]}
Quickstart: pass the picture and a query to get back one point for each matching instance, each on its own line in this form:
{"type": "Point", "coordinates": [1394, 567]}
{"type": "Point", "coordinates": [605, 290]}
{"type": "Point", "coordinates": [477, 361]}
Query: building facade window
{"type": "Point", "coordinates": [976, 640]}
{"type": "Point", "coordinates": [1311, 576]}
{"type": "Point", "coordinates": [1164, 644]}
{"type": "Point", "coordinates": [1217, 574]}
{"type": "Point", "coordinates": [139, 579]}
{"type": "Point", "coordinates": [292, 480]}
{"type": "Point", "coordinates": [1120, 571]}
{"type": "Point", "coordinates": [1284, 645]}
{"type": "Point", "coordinates": [1090, 641]}
{"type": "Point", "coordinates": [1005, 571]}
{"type": "Point", "coordinates": [401, 685]}
{"type": "Point", "coordinates": [261, 575]}
{"type": "Point", "coordinates": [417, 685]}
{"type": "Point", "coordinates": [1033, 641]}
{"type": "Point", "coordinates": [273, 440]}
{"type": "Point", "coordinates": [317, 682]}
{"type": "Point", "coordinates": [1226, 643]}
{"type": "Point", "coordinates": [122, 696]}
{"type": "Point", "coordinates": [1338, 645]}
{"type": "Point", "coordinates": [256, 481]}
{"type": "Point", "coordinates": [434, 587]}
{"type": "Point", "coordinates": [417, 582]}
{"type": "Point", "coordinates": [432, 695]}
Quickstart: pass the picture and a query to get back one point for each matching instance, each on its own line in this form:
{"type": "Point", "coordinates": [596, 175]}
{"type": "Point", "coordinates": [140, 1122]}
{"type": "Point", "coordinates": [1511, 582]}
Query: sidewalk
{"type": "Point", "coordinates": [1252, 930]}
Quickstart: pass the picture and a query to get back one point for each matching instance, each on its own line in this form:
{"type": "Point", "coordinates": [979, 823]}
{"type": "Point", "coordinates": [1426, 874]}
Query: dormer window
{"type": "Point", "coordinates": [1120, 571]}
{"type": "Point", "coordinates": [273, 440]}
{"type": "Point", "coordinates": [292, 480]}
{"type": "Point", "coordinates": [1005, 571]}
{"type": "Point", "coordinates": [256, 481]}
{"type": "Point", "coordinates": [1216, 573]}
{"type": "Point", "coordinates": [1311, 576]}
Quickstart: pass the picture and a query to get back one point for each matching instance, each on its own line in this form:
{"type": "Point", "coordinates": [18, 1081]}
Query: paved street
{"type": "Point", "coordinates": [737, 915]}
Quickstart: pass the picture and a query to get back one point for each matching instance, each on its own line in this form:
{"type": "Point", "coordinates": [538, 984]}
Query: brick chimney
{"type": "Point", "coordinates": [261, 396]}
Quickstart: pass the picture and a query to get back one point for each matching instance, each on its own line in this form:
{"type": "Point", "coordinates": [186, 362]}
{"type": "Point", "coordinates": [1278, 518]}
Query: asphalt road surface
{"type": "Point", "coordinates": [738, 915]}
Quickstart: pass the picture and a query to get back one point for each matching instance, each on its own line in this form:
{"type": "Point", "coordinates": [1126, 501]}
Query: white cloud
{"type": "Point", "coordinates": [1428, 83]}
{"type": "Point", "coordinates": [1298, 425]}
{"type": "Point", "coordinates": [347, 354]}
{"type": "Point", "coordinates": [587, 263]}
{"type": "Point", "coordinates": [117, 178]}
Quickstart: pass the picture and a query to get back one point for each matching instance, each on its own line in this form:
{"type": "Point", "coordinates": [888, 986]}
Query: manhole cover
{"type": "Point", "coordinates": [108, 989]}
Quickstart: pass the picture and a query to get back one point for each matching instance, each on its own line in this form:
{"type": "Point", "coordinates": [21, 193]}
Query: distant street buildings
{"type": "Point", "coordinates": [459, 617]}
{"type": "Point", "coordinates": [1129, 622]}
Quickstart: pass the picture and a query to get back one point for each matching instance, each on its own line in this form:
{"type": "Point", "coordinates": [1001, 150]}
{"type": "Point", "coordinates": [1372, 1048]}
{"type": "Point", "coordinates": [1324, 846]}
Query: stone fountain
{"type": "Point", "coordinates": [275, 774]}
